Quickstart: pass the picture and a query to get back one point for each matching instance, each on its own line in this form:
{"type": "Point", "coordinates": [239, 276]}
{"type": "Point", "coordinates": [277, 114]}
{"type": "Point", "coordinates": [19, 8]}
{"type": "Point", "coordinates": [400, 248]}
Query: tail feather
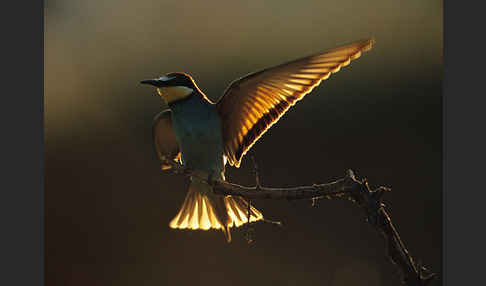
{"type": "Point", "coordinates": [242, 206]}
{"type": "Point", "coordinates": [238, 211]}
{"type": "Point", "coordinates": [202, 209]}
{"type": "Point", "coordinates": [204, 222]}
{"type": "Point", "coordinates": [233, 212]}
{"type": "Point", "coordinates": [213, 219]}
{"type": "Point", "coordinates": [183, 216]}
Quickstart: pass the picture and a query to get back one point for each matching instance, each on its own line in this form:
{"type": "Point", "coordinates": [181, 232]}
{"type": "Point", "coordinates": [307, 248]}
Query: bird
{"type": "Point", "coordinates": [206, 136]}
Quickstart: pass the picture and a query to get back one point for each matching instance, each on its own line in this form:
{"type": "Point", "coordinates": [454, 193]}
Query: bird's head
{"type": "Point", "coordinates": [173, 86]}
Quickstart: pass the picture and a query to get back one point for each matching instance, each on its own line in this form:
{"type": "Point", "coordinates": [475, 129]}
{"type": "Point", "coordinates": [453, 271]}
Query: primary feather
{"type": "Point", "coordinates": [252, 104]}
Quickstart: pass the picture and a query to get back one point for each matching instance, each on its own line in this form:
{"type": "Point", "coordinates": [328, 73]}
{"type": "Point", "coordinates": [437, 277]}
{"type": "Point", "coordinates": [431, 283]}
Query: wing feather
{"type": "Point", "coordinates": [253, 103]}
{"type": "Point", "coordinates": [165, 143]}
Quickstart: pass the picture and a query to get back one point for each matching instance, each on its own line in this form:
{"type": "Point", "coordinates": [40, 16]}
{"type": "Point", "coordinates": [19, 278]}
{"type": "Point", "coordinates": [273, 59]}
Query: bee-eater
{"type": "Point", "coordinates": [205, 136]}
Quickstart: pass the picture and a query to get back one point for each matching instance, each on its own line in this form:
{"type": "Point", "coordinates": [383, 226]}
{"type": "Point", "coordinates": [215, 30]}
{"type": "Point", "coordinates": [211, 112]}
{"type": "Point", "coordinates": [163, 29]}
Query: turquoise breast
{"type": "Point", "coordinates": [197, 127]}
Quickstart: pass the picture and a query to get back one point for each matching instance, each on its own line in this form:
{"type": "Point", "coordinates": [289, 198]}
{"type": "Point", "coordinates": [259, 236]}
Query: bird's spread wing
{"type": "Point", "coordinates": [251, 104]}
{"type": "Point", "coordinates": [165, 143]}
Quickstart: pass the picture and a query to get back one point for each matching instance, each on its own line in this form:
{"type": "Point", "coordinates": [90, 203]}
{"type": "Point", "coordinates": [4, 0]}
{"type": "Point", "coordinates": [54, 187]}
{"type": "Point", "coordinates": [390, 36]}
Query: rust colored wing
{"type": "Point", "coordinates": [252, 104]}
{"type": "Point", "coordinates": [165, 143]}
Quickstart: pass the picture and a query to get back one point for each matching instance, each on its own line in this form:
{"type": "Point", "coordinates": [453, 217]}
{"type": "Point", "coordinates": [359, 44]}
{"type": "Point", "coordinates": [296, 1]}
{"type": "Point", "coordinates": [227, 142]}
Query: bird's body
{"type": "Point", "coordinates": [197, 127]}
{"type": "Point", "coordinates": [205, 136]}
{"type": "Point", "coordinates": [191, 132]}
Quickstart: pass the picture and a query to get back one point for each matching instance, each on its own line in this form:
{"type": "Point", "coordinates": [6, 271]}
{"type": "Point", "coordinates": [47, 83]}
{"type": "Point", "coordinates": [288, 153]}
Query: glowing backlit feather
{"type": "Point", "coordinates": [252, 104]}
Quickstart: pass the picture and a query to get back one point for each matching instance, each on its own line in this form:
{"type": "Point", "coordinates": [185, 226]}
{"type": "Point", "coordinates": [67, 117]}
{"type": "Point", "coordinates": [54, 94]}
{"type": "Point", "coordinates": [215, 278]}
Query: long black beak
{"type": "Point", "coordinates": [154, 82]}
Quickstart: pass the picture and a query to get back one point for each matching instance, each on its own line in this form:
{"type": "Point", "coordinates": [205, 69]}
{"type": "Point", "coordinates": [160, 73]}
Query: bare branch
{"type": "Point", "coordinates": [348, 187]}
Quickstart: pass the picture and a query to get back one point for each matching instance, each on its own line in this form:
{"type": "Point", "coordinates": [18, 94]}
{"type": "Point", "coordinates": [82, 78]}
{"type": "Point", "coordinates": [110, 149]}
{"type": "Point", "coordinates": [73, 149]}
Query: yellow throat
{"type": "Point", "coordinates": [174, 93]}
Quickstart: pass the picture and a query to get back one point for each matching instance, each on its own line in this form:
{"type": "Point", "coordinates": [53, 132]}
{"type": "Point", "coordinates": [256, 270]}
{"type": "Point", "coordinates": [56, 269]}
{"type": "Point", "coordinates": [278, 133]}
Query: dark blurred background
{"type": "Point", "coordinates": [108, 206]}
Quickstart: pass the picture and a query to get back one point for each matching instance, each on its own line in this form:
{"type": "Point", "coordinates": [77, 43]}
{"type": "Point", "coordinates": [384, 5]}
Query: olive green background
{"type": "Point", "coordinates": [107, 205]}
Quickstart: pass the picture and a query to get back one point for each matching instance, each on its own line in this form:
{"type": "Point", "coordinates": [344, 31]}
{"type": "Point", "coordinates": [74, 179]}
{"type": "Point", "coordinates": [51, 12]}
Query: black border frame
{"type": "Point", "coordinates": [463, 145]}
{"type": "Point", "coordinates": [22, 200]}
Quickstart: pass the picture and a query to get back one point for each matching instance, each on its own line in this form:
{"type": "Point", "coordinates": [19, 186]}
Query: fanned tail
{"type": "Point", "coordinates": [204, 210]}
